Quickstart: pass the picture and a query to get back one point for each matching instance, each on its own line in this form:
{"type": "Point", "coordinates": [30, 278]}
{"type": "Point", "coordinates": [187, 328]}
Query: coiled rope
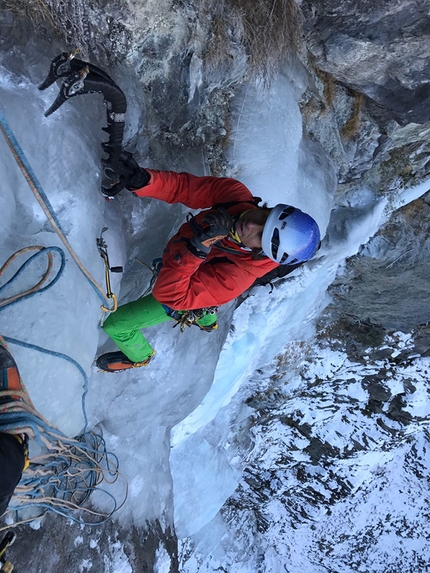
{"type": "Point", "coordinates": [38, 287]}
{"type": "Point", "coordinates": [61, 479]}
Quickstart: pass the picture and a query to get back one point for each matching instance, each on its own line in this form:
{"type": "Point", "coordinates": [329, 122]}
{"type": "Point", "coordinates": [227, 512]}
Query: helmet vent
{"type": "Point", "coordinates": [286, 213]}
{"type": "Point", "coordinates": [275, 242]}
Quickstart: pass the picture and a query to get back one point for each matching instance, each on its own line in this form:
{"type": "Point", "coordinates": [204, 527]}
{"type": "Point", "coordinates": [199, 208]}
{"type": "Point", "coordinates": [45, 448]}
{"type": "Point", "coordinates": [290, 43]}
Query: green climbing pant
{"type": "Point", "coordinates": [124, 325]}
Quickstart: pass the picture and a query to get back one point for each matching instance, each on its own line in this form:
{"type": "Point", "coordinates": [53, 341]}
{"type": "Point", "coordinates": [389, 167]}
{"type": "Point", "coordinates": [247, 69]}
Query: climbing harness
{"type": "Point", "coordinates": [7, 541]}
{"type": "Point", "coordinates": [190, 318]}
{"type": "Point", "coordinates": [102, 247]}
{"type": "Point", "coordinates": [85, 78]}
{"type": "Point", "coordinates": [183, 318]}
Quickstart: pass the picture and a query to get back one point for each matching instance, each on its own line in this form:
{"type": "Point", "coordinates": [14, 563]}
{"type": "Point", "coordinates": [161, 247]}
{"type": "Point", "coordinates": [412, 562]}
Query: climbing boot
{"type": "Point", "coordinates": [118, 361]}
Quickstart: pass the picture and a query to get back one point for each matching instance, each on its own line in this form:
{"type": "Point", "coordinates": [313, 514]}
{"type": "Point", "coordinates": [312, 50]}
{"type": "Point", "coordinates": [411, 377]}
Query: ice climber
{"type": "Point", "coordinates": [214, 257]}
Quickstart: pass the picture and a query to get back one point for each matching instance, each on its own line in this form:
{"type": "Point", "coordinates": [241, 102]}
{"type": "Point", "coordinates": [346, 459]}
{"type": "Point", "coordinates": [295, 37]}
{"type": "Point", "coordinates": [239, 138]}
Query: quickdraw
{"type": "Point", "coordinates": [102, 247]}
{"type": "Point", "coordinates": [85, 78]}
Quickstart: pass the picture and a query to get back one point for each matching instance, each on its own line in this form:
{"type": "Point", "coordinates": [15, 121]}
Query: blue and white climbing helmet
{"type": "Point", "coordinates": [289, 235]}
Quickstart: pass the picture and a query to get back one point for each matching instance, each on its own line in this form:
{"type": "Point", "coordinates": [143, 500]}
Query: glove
{"type": "Point", "coordinates": [216, 225]}
{"type": "Point", "coordinates": [123, 173]}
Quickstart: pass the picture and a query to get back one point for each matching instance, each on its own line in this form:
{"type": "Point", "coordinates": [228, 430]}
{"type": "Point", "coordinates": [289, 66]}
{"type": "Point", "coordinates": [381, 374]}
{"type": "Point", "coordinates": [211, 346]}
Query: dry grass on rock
{"type": "Point", "coordinates": [269, 30]}
{"type": "Point", "coordinates": [36, 11]}
{"type": "Point", "coordinates": [351, 127]}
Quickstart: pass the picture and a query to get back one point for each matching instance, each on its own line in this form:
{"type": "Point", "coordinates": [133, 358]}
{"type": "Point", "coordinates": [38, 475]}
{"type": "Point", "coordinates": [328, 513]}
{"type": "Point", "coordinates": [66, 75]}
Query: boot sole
{"type": "Point", "coordinates": [109, 362]}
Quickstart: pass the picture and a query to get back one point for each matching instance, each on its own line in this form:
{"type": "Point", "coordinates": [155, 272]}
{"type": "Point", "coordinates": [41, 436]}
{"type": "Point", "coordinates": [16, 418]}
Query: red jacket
{"type": "Point", "coordinates": [188, 282]}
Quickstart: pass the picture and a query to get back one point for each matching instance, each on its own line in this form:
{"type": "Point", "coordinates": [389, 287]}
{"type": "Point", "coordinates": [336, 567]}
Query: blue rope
{"type": "Point", "coordinates": [26, 264]}
{"type": "Point", "coordinates": [8, 131]}
{"type": "Point", "coordinates": [73, 489]}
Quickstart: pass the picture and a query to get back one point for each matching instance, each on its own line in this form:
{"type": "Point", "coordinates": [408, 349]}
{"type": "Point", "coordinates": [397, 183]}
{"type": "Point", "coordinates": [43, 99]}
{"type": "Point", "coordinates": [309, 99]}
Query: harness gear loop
{"type": "Point", "coordinates": [23, 440]}
{"type": "Point", "coordinates": [102, 247]}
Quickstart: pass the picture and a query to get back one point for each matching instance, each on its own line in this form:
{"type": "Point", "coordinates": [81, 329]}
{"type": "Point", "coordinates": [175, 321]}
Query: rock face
{"type": "Point", "coordinates": [380, 48]}
{"type": "Point", "coordinates": [73, 547]}
{"type": "Point", "coordinates": [387, 283]}
{"type": "Point", "coordinates": [366, 102]}
{"type": "Point", "coordinates": [369, 75]}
